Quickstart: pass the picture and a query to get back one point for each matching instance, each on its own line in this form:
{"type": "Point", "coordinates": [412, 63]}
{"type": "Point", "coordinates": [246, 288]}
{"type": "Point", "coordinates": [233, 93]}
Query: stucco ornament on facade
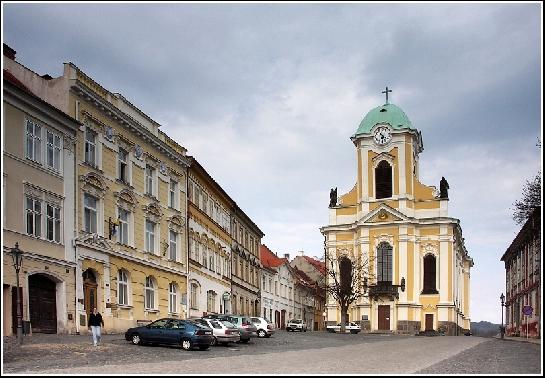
{"type": "Point", "coordinates": [384, 238]}
{"type": "Point", "coordinates": [93, 184]}
{"type": "Point", "coordinates": [383, 156]}
{"type": "Point", "coordinates": [176, 223]}
{"type": "Point", "coordinates": [126, 199]}
{"type": "Point", "coordinates": [429, 248]}
{"type": "Point", "coordinates": [153, 212]}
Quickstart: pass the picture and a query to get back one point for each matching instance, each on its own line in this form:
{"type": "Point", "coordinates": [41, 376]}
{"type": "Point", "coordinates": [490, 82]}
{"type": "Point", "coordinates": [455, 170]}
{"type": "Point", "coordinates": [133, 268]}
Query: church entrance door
{"type": "Point", "coordinates": [429, 322]}
{"type": "Point", "coordinates": [384, 318]}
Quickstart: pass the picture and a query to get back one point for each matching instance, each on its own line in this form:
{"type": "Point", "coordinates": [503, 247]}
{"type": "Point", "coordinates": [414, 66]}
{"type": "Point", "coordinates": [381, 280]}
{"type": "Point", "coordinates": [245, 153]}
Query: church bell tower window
{"type": "Point", "coordinates": [383, 180]}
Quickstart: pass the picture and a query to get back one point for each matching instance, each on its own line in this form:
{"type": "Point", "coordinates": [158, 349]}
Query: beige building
{"type": "Point", "coordinates": [131, 244]}
{"type": "Point", "coordinates": [38, 202]}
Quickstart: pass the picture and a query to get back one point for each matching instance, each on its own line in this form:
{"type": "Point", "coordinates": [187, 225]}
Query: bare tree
{"type": "Point", "coordinates": [346, 281]}
{"type": "Point", "coordinates": [531, 199]}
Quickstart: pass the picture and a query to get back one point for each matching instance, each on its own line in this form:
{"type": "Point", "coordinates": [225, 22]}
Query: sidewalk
{"type": "Point", "coordinates": [520, 339]}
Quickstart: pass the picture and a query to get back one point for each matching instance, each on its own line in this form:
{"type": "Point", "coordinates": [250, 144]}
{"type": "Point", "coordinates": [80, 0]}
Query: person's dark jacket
{"type": "Point", "coordinates": [95, 320]}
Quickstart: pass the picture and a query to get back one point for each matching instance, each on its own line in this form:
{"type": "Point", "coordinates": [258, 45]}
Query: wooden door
{"type": "Point", "coordinates": [89, 291]}
{"type": "Point", "coordinates": [42, 304]}
{"type": "Point", "coordinates": [429, 322]}
{"type": "Point", "coordinates": [384, 318]}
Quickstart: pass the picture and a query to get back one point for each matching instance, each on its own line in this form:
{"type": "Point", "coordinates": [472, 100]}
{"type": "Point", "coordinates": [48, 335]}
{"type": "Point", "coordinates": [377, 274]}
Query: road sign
{"type": "Point", "coordinates": [527, 310]}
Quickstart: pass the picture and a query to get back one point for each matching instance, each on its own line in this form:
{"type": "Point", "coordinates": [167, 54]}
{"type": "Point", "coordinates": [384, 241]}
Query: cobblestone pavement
{"type": "Point", "coordinates": [493, 356]}
{"type": "Point", "coordinates": [284, 353]}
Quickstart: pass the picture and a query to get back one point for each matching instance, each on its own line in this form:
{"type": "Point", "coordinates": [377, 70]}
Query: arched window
{"type": "Point", "coordinates": [383, 180]}
{"type": "Point", "coordinates": [173, 298]}
{"type": "Point", "coordinates": [149, 300]}
{"type": "Point", "coordinates": [122, 288]}
{"type": "Point", "coordinates": [429, 275]}
{"type": "Point", "coordinates": [384, 263]}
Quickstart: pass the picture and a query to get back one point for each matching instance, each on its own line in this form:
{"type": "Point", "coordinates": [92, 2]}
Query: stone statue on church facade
{"type": "Point", "coordinates": [443, 188]}
{"type": "Point", "coordinates": [333, 197]}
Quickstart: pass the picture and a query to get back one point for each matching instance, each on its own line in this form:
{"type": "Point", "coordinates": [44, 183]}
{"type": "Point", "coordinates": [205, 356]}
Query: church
{"type": "Point", "coordinates": [417, 271]}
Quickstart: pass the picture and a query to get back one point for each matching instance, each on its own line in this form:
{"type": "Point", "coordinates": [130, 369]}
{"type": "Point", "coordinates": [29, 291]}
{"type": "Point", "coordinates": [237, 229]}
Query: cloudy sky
{"type": "Point", "coordinates": [266, 97]}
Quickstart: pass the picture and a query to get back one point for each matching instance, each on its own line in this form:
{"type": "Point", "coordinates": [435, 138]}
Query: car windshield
{"type": "Point", "coordinates": [228, 324]}
{"type": "Point", "coordinates": [296, 321]}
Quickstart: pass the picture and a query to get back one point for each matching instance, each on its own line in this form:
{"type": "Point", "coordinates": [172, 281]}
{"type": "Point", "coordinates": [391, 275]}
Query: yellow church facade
{"type": "Point", "coordinates": [418, 269]}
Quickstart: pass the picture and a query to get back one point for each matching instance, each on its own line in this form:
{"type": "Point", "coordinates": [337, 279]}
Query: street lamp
{"type": "Point", "coordinates": [502, 299]}
{"type": "Point", "coordinates": [17, 256]}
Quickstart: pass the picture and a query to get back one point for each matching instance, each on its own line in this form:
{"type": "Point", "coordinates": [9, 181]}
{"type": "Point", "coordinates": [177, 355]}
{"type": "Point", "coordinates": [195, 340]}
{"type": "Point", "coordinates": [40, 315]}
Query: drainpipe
{"type": "Point", "coordinates": [75, 233]}
{"type": "Point", "coordinates": [187, 241]}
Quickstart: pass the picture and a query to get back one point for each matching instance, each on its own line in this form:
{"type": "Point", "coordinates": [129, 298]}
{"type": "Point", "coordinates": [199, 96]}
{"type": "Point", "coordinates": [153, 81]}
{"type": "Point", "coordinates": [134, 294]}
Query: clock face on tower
{"type": "Point", "coordinates": [382, 135]}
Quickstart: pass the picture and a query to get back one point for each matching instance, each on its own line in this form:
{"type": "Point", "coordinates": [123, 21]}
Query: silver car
{"type": "Point", "coordinates": [264, 327]}
{"type": "Point", "coordinates": [224, 332]}
{"type": "Point", "coordinates": [244, 325]}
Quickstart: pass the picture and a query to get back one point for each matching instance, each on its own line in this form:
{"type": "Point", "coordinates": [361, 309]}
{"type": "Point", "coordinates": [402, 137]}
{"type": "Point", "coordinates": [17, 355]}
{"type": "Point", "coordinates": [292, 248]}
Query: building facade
{"type": "Point", "coordinates": [312, 272]}
{"type": "Point", "coordinates": [130, 245]}
{"type": "Point", "coordinates": [209, 244]}
{"type": "Point", "coordinates": [38, 201]}
{"type": "Point", "coordinates": [418, 268]}
{"type": "Point", "coordinates": [246, 264]}
{"type": "Point", "coordinates": [523, 280]}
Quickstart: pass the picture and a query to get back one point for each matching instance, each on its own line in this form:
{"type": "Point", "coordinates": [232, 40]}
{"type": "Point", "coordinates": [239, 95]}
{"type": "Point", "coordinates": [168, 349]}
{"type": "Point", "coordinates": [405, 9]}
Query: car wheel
{"type": "Point", "coordinates": [204, 347]}
{"type": "Point", "coordinates": [261, 333]}
{"type": "Point", "coordinates": [214, 341]}
{"type": "Point", "coordinates": [331, 330]}
{"type": "Point", "coordinates": [245, 341]}
{"type": "Point", "coordinates": [135, 339]}
{"type": "Point", "coordinates": [186, 344]}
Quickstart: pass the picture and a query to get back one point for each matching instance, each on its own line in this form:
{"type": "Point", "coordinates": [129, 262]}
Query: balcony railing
{"type": "Point", "coordinates": [384, 289]}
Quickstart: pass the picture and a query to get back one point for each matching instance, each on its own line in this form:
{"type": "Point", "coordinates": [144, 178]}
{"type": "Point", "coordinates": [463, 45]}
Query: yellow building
{"type": "Point", "coordinates": [130, 207]}
{"type": "Point", "coordinates": [418, 271]}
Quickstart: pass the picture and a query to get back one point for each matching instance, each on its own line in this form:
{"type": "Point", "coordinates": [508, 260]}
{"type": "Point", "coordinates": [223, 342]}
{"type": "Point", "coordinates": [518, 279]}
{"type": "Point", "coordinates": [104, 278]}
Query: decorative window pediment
{"type": "Point", "coordinates": [429, 248]}
{"type": "Point", "coordinates": [126, 199]}
{"type": "Point", "coordinates": [383, 156]}
{"type": "Point", "coordinates": [93, 184]}
{"type": "Point", "coordinates": [176, 223]}
{"type": "Point", "coordinates": [153, 212]}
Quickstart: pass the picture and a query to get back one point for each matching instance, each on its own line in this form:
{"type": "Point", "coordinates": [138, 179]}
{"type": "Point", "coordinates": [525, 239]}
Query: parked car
{"type": "Point", "coordinates": [243, 323]}
{"type": "Point", "coordinates": [350, 327]}
{"type": "Point", "coordinates": [296, 325]}
{"type": "Point", "coordinates": [264, 327]}
{"type": "Point", "coordinates": [185, 333]}
{"type": "Point", "coordinates": [224, 332]}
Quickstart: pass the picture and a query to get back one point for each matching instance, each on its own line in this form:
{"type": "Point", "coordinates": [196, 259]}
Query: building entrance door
{"type": "Point", "coordinates": [89, 291]}
{"type": "Point", "coordinates": [429, 322]}
{"type": "Point", "coordinates": [383, 318]}
{"type": "Point", "coordinates": [42, 303]}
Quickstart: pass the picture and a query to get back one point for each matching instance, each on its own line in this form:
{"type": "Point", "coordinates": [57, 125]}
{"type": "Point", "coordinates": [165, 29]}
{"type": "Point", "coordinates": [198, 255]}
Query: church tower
{"type": "Point", "coordinates": [418, 267]}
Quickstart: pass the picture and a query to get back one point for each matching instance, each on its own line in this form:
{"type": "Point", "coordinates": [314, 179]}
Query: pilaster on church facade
{"type": "Point", "coordinates": [402, 228]}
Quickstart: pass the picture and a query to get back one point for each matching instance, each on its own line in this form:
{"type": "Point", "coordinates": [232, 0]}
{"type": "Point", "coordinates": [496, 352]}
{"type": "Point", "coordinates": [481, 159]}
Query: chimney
{"type": "Point", "coordinates": [301, 253]}
{"type": "Point", "coordinates": [9, 52]}
{"type": "Point", "coordinates": [287, 256]}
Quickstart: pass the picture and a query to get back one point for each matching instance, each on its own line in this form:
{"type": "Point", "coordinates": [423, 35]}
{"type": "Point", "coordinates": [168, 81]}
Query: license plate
{"type": "Point", "coordinates": [208, 333]}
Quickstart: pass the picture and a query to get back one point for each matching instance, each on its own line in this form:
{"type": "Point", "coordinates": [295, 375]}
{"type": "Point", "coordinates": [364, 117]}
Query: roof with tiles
{"type": "Point", "coordinates": [269, 259]}
{"type": "Point", "coordinates": [320, 266]}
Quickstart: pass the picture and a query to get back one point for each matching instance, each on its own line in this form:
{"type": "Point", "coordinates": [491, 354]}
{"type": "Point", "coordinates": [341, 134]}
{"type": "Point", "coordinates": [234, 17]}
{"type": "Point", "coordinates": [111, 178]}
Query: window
{"type": "Point", "coordinates": [173, 245]}
{"type": "Point", "coordinates": [150, 236]}
{"type": "Point", "coordinates": [122, 288]}
{"type": "Point", "coordinates": [205, 203]}
{"type": "Point", "coordinates": [173, 191]}
{"type": "Point", "coordinates": [204, 256]}
{"type": "Point", "coordinates": [191, 248]}
{"type": "Point", "coordinates": [53, 151]}
{"type": "Point", "coordinates": [190, 192]}
{"type": "Point", "coordinates": [172, 298]}
{"type": "Point", "coordinates": [150, 173]}
{"type": "Point", "coordinates": [90, 147]}
{"type": "Point", "coordinates": [122, 167]}
{"type": "Point", "coordinates": [33, 216]}
{"type": "Point", "coordinates": [33, 141]}
{"type": "Point", "coordinates": [384, 263]}
{"type": "Point", "coordinates": [211, 301]}
{"type": "Point", "coordinates": [193, 300]}
{"type": "Point", "coordinates": [123, 234]}
{"type": "Point", "coordinates": [53, 223]}
{"type": "Point", "coordinates": [149, 300]}
{"type": "Point", "coordinates": [211, 258]}
{"type": "Point", "coordinates": [383, 180]}
{"type": "Point", "coordinates": [90, 213]}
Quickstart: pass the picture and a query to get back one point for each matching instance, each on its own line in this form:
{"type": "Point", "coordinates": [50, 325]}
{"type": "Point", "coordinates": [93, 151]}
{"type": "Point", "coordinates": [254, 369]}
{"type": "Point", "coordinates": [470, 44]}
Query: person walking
{"type": "Point", "coordinates": [95, 320]}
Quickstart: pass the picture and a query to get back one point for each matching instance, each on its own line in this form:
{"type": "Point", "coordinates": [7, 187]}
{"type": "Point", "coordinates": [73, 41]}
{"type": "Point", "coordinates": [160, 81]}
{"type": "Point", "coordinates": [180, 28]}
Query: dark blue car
{"type": "Point", "coordinates": [185, 333]}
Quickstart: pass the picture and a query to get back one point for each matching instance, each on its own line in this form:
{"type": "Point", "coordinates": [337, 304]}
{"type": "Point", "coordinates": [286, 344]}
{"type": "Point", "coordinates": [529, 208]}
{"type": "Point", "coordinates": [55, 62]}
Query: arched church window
{"type": "Point", "coordinates": [384, 263]}
{"type": "Point", "coordinates": [429, 275]}
{"type": "Point", "coordinates": [383, 180]}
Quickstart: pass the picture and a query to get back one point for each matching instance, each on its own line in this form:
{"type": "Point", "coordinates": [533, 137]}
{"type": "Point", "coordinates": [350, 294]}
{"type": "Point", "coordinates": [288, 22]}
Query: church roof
{"type": "Point", "coordinates": [387, 113]}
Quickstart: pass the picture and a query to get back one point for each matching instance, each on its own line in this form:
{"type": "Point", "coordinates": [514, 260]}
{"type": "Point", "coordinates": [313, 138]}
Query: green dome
{"type": "Point", "coordinates": [387, 113]}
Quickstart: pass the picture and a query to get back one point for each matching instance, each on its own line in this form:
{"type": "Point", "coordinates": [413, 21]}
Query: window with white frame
{"type": "Point", "coordinates": [191, 247]}
{"type": "Point", "coordinates": [172, 298]}
{"type": "Point", "coordinates": [211, 301]}
{"type": "Point", "coordinates": [53, 156]}
{"type": "Point", "coordinates": [205, 256]}
{"type": "Point", "coordinates": [173, 245]}
{"type": "Point", "coordinates": [33, 216]}
{"type": "Point", "coordinates": [149, 300]}
{"type": "Point", "coordinates": [218, 263]}
{"type": "Point", "coordinates": [90, 213]}
{"type": "Point", "coordinates": [53, 223]}
{"type": "Point", "coordinates": [205, 203]}
{"type": "Point", "coordinates": [123, 288]}
{"type": "Point", "coordinates": [173, 194]}
{"type": "Point", "coordinates": [211, 257]}
{"type": "Point", "coordinates": [33, 141]}
{"type": "Point", "coordinates": [123, 234]}
{"type": "Point", "coordinates": [123, 166]}
{"type": "Point", "coordinates": [150, 180]}
{"type": "Point", "coordinates": [194, 298]}
{"type": "Point", "coordinates": [90, 146]}
{"type": "Point", "coordinates": [150, 236]}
